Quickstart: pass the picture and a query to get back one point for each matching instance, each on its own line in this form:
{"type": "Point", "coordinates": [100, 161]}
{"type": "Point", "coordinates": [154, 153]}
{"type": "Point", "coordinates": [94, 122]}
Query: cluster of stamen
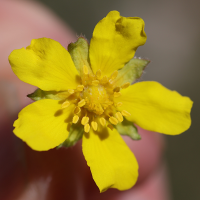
{"type": "Point", "coordinates": [94, 100]}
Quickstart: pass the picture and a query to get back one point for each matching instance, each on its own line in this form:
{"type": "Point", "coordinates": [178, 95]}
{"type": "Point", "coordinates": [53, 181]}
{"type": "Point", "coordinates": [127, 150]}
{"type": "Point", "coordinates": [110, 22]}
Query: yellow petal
{"type": "Point", "coordinates": [112, 163]}
{"type": "Point", "coordinates": [43, 125]}
{"type": "Point", "coordinates": [156, 108]}
{"type": "Point", "coordinates": [114, 42]}
{"type": "Point", "coordinates": [45, 64]}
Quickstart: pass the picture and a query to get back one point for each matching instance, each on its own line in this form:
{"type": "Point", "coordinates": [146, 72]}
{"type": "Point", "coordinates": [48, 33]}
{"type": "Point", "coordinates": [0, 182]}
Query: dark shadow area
{"type": "Point", "coordinates": [58, 113]}
{"type": "Point", "coordinates": [103, 133]}
{"type": "Point", "coordinates": [87, 135]}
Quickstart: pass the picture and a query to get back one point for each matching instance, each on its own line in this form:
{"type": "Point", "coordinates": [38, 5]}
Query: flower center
{"type": "Point", "coordinates": [97, 99]}
{"type": "Point", "coordinates": [94, 101]}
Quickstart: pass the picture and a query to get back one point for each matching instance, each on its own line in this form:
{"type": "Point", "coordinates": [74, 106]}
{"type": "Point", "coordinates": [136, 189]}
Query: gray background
{"type": "Point", "coordinates": [173, 33]}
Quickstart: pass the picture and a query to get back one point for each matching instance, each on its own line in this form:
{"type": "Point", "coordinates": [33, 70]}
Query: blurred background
{"type": "Point", "coordinates": [173, 45]}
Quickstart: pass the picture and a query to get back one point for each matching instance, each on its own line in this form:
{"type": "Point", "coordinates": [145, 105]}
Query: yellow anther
{"type": "Point", "coordinates": [102, 121]}
{"type": "Point", "coordinates": [95, 82]}
{"type": "Point", "coordinates": [107, 102]}
{"type": "Point", "coordinates": [110, 126]}
{"type": "Point", "coordinates": [77, 110]}
{"type": "Point", "coordinates": [85, 69]}
{"type": "Point", "coordinates": [117, 89]}
{"type": "Point", "coordinates": [125, 85]}
{"type": "Point", "coordinates": [84, 120]}
{"type": "Point", "coordinates": [113, 120]}
{"type": "Point", "coordinates": [117, 94]}
{"type": "Point", "coordinates": [104, 80]}
{"type": "Point", "coordinates": [86, 99]}
{"type": "Point", "coordinates": [71, 91]}
{"type": "Point", "coordinates": [119, 104]}
{"type": "Point", "coordinates": [81, 103]}
{"type": "Point", "coordinates": [75, 119]}
{"type": "Point", "coordinates": [98, 74]}
{"type": "Point", "coordinates": [62, 95]}
{"type": "Point", "coordinates": [65, 104]}
{"type": "Point", "coordinates": [125, 113]}
{"type": "Point", "coordinates": [91, 77]}
{"type": "Point", "coordinates": [87, 128]}
{"type": "Point", "coordinates": [114, 75]}
{"type": "Point", "coordinates": [80, 87]}
{"type": "Point", "coordinates": [119, 116]}
{"type": "Point", "coordinates": [94, 125]}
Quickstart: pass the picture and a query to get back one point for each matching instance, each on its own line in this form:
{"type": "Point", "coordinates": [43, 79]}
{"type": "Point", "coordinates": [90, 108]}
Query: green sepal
{"type": "Point", "coordinates": [127, 128]}
{"type": "Point", "coordinates": [79, 52]}
{"type": "Point", "coordinates": [75, 134]}
{"type": "Point", "coordinates": [131, 71]}
{"type": "Point", "coordinates": [40, 94]}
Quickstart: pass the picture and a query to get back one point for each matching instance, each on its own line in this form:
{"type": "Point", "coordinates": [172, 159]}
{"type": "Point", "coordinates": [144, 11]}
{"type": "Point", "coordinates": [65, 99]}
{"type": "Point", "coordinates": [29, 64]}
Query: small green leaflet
{"type": "Point", "coordinates": [128, 128]}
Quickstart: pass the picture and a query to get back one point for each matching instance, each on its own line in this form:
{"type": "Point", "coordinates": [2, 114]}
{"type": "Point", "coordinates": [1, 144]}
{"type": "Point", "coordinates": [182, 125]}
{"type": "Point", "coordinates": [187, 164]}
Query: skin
{"type": "Point", "coordinates": [56, 174]}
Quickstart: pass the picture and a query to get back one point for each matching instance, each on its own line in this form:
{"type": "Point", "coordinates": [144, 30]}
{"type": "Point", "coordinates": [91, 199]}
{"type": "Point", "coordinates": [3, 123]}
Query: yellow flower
{"type": "Point", "coordinates": [85, 92]}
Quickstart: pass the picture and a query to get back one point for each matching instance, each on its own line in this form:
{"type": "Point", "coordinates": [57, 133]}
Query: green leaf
{"type": "Point", "coordinates": [131, 71]}
{"type": "Point", "coordinates": [75, 134]}
{"type": "Point", "coordinates": [79, 52]}
{"type": "Point", "coordinates": [127, 128]}
{"type": "Point", "coordinates": [40, 94]}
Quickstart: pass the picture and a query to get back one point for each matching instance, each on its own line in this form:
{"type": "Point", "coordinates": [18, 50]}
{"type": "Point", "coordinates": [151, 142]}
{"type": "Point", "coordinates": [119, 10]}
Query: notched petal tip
{"type": "Point", "coordinates": [114, 42]}
{"type": "Point", "coordinates": [49, 65]}
{"type": "Point", "coordinates": [129, 26]}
